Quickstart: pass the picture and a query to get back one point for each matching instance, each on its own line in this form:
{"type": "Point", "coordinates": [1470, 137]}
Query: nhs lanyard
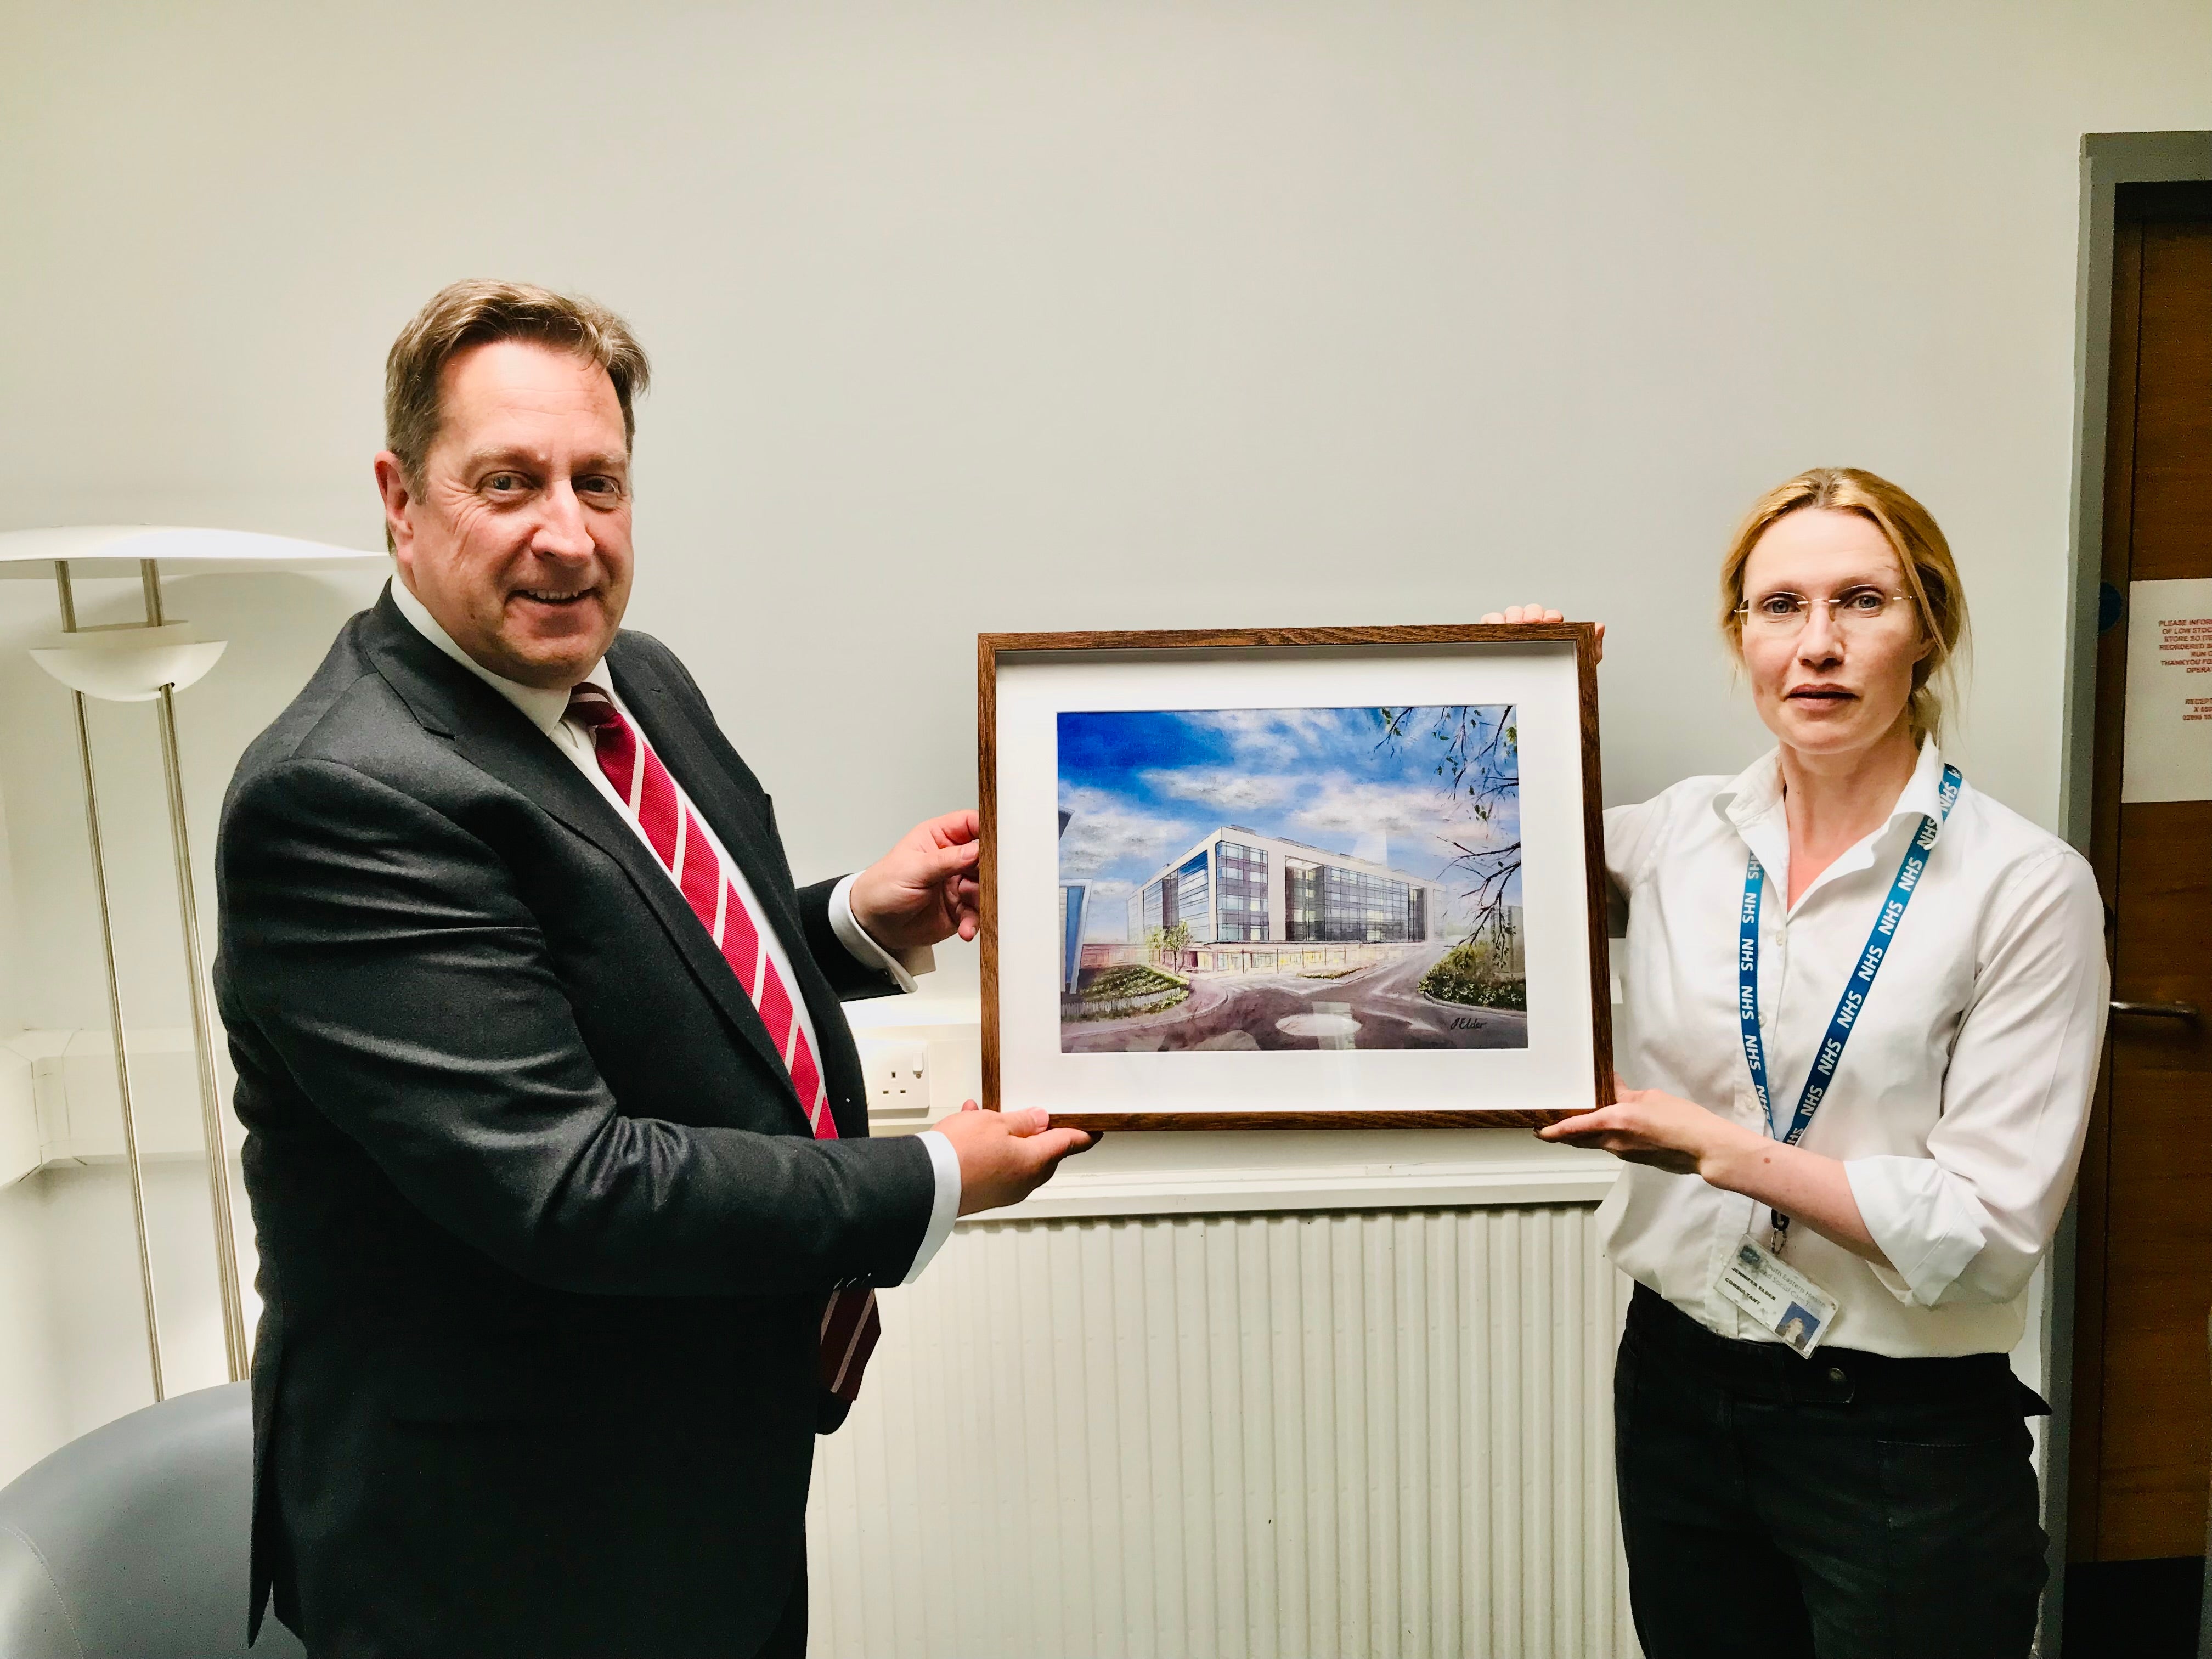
{"type": "Point", "coordinates": [1855, 988]}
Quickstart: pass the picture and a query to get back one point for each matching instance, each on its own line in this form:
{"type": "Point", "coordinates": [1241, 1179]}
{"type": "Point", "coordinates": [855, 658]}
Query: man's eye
{"type": "Point", "coordinates": [500, 482]}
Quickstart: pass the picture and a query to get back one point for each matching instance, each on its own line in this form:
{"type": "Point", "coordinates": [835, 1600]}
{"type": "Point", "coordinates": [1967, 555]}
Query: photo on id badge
{"type": "Point", "coordinates": [1799, 1323]}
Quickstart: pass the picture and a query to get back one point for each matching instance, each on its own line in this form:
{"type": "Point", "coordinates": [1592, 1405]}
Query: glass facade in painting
{"type": "Point", "coordinates": [1194, 900]}
{"type": "Point", "coordinates": [1073, 899]}
{"type": "Point", "coordinates": [1327, 903]}
{"type": "Point", "coordinates": [1149, 908]}
{"type": "Point", "coordinates": [1242, 884]}
{"type": "Point", "coordinates": [1221, 895]}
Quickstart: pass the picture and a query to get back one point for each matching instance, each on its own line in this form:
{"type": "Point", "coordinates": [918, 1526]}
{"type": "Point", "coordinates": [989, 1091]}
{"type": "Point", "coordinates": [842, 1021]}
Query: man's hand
{"type": "Point", "coordinates": [1006, 1156]}
{"type": "Point", "coordinates": [924, 889]}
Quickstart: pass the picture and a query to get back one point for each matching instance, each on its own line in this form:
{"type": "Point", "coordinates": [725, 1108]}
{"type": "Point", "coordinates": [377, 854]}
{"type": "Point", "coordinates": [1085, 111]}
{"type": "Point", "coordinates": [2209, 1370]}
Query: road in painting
{"type": "Point", "coordinates": [1301, 878]}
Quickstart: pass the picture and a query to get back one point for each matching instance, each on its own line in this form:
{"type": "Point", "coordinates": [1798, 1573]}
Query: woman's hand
{"type": "Point", "coordinates": [1648, 1126]}
{"type": "Point", "coordinates": [1537, 613]}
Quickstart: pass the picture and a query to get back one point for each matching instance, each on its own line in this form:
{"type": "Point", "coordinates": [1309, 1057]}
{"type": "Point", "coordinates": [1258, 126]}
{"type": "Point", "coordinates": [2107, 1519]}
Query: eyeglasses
{"type": "Point", "coordinates": [1861, 610]}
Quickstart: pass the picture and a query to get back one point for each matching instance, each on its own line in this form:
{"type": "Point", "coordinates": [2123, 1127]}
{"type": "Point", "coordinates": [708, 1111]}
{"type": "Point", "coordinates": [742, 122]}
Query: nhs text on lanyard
{"type": "Point", "coordinates": [1855, 988]}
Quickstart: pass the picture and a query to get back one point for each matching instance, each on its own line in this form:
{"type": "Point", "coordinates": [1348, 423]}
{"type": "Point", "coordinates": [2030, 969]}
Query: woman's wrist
{"type": "Point", "coordinates": [1731, 1155]}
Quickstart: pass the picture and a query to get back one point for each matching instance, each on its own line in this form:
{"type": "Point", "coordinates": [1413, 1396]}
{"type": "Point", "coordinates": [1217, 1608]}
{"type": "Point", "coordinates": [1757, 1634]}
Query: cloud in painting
{"type": "Point", "coordinates": [1103, 829]}
{"type": "Point", "coordinates": [1279, 736]}
{"type": "Point", "coordinates": [1340, 808]}
{"type": "Point", "coordinates": [1143, 785]}
{"type": "Point", "coordinates": [1224, 788]}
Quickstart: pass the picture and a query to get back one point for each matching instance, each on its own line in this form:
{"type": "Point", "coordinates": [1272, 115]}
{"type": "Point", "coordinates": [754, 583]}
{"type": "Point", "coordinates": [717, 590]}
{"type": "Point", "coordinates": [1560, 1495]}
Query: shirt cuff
{"type": "Point", "coordinates": [947, 1163]}
{"type": "Point", "coordinates": [1930, 1232]}
{"type": "Point", "coordinates": [903, 966]}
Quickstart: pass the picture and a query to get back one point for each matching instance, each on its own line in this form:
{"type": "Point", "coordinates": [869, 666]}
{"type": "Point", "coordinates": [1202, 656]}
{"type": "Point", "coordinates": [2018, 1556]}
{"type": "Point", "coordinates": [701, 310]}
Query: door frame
{"type": "Point", "coordinates": [2109, 160]}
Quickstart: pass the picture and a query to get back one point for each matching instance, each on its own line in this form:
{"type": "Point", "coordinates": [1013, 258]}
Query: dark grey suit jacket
{"type": "Point", "coordinates": [544, 1239]}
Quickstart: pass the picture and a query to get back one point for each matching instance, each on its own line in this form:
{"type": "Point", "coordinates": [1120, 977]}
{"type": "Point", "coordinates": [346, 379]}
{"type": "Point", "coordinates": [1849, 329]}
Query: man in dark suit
{"type": "Point", "coordinates": [557, 1143]}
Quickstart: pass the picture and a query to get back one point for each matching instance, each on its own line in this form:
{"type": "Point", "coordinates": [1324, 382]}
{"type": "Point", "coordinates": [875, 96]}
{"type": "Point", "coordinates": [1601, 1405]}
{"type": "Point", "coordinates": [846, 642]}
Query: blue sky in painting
{"type": "Point", "coordinates": [1141, 786]}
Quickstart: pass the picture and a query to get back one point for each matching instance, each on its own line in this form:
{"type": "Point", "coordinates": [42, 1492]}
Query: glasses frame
{"type": "Point", "coordinates": [1745, 615]}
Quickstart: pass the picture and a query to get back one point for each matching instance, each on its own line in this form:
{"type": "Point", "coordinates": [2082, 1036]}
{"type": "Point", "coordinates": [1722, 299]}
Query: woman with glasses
{"type": "Point", "coordinates": [1865, 1004]}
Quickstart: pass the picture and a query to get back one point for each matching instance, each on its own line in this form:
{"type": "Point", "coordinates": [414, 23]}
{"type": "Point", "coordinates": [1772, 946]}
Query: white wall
{"type": "Point", "coordinates": [32, 1381]}
{"type": "Point", "coordinates": [999, 316]}
{"type": "Point", "coordinates": [1003, 316]}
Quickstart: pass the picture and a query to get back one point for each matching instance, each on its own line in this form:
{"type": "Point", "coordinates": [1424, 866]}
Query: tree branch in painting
{"type": "Point", "coordinates": [1478, 764]}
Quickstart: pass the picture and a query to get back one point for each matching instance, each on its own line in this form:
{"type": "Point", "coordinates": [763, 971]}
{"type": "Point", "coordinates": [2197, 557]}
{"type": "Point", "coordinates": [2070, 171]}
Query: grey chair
{"type": "Point", "coordinates": [131, 1543]}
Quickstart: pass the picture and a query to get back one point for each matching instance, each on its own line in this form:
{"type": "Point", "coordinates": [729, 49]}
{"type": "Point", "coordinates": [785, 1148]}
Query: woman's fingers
{"type": "Point", "coordinates": [1605, 1120]}
{"type": "Point", "coordinates": [1524, 613]}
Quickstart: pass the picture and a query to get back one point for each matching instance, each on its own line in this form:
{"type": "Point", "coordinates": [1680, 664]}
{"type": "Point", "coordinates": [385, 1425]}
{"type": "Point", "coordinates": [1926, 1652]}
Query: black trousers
{"type": "Point", "coordinates": [1846, 1506]}
{"type": "Point", "coordinates": [788, 1639]}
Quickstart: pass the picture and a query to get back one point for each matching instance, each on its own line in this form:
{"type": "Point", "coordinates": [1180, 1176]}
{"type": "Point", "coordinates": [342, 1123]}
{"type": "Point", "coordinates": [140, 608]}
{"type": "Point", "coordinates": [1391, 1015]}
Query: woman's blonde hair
{"type": "Point", "coordinates": [1931, 577]}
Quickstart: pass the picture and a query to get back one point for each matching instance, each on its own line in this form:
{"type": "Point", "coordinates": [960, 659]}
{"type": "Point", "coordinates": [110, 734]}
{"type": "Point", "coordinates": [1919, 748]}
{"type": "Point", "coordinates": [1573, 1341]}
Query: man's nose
{"type": "Point", "coordinates": [562, 531]}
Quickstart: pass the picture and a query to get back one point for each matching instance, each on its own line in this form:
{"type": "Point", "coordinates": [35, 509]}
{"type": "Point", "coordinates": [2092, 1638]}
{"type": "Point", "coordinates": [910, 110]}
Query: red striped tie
{"type": "Point", "coordinates": [850, 1323]}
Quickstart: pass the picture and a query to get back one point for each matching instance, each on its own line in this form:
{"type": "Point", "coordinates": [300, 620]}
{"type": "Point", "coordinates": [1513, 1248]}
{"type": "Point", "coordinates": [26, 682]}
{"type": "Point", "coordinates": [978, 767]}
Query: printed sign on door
{"type": "Point", "coordinates": [2169, 716]}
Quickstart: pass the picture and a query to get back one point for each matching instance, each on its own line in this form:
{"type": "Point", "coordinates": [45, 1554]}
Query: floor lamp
{"type": "Point", "coordinates": [151, 661]}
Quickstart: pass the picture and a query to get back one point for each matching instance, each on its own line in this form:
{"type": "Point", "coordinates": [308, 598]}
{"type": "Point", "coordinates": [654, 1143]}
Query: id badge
{"type": "Point", "coordinates": [1779, 1297]}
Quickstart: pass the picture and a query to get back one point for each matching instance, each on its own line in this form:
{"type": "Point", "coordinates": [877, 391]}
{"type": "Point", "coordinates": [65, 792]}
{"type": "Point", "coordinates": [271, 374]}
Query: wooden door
{"type": "Point", "coordinates": [2142, 1427]}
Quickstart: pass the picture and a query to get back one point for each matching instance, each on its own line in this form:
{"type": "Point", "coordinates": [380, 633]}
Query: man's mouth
{"type": "Point", "coordinates": [551, 596]}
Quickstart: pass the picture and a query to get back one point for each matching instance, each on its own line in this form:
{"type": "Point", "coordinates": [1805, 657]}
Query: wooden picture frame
{"type": "Point", "coordinates": [1429, 655]}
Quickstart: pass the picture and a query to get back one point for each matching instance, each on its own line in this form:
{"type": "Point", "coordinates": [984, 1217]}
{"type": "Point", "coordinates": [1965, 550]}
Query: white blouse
{"type": "Point", "coordinates": [1961, 1101]}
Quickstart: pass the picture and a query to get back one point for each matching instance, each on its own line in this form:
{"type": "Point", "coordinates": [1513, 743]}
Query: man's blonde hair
{"type": "Point", "coordinates": [1931, 577]}
{"type": "Point", "coordinates": [477, 312]}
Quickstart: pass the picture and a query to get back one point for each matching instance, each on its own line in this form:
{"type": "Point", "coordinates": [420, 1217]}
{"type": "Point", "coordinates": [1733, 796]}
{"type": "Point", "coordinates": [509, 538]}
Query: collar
{"type": "Point", "coordinates": [543, 708]}
{"type": "Point", "coordinates": [1751, 804]}
{"type": "Point", "coordinates": [1753, 793]}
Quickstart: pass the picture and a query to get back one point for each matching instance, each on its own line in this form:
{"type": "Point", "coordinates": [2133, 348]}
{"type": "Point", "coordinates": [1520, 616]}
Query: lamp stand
{"type": "Point", "coordinates": [114, 1000]}
{"type": "Point", "coordinates": [235, 1350]}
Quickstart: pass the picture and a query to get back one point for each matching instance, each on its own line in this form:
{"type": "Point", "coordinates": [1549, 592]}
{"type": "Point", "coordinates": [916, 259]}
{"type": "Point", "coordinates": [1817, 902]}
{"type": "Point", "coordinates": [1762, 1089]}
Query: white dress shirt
{"type": "Point", "coordinates": [1960, 1107]}
{"type": "Point", "coordinates": [548, 712]}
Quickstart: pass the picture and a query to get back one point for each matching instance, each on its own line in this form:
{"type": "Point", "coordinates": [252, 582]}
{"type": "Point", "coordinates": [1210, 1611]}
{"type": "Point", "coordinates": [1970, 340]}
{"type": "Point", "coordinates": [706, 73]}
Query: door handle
{"type": "Point", "coordinates": [2157, 1009]}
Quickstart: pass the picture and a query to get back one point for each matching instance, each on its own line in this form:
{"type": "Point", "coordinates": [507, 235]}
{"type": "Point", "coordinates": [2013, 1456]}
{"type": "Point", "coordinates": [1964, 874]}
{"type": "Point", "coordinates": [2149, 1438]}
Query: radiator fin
{"type": "Point", "coordinates": [1379, 1433]}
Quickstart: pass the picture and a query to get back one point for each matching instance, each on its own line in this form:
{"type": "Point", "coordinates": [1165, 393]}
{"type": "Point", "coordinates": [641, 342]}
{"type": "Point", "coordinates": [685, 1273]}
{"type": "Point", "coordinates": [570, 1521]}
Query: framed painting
{"type": "Point", "coordinates": [1333, 877]}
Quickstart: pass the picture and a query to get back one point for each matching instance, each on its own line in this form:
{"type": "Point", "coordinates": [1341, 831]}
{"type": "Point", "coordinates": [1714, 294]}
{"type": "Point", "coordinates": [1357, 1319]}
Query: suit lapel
{"type": "Point", "coordinates": [495, 735]}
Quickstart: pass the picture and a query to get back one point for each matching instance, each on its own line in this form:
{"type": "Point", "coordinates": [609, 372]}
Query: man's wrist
{"type": "Point", "coordinates": [869, 951]}
{"type": "Point", "coordinates": [856, 903]}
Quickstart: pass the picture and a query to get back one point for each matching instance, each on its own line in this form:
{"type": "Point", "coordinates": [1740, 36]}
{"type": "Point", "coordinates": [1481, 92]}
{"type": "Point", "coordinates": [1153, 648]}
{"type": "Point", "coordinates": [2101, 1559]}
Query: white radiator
{"type": "Point", "coordinates": [1313, 1436]}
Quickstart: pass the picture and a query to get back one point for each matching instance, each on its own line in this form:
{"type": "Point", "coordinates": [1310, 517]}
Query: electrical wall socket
{"type": "Point", "coordinates": [897, 1076]}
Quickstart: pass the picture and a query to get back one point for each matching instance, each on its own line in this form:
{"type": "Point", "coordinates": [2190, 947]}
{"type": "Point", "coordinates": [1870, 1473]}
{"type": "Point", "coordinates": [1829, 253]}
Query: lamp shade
{"type": "Point", "coordinates": [114, 549]}
{"type": "Point", "coordinates": [130, 663]}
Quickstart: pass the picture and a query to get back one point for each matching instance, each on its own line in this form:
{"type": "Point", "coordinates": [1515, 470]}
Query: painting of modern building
{"type": "Point", "coordinates": [1235, 886]}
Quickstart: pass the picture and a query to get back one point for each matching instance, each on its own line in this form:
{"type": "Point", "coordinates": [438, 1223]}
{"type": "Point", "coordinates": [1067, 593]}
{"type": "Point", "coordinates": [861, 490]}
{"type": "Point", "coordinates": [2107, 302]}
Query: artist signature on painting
{"type": "Point", "coordinates": [1465, 1022]}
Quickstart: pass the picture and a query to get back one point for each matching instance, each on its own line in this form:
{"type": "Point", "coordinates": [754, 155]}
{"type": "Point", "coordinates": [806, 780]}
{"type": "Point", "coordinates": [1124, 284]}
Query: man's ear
{"type": "Point", "coordinates": [398, 505]}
